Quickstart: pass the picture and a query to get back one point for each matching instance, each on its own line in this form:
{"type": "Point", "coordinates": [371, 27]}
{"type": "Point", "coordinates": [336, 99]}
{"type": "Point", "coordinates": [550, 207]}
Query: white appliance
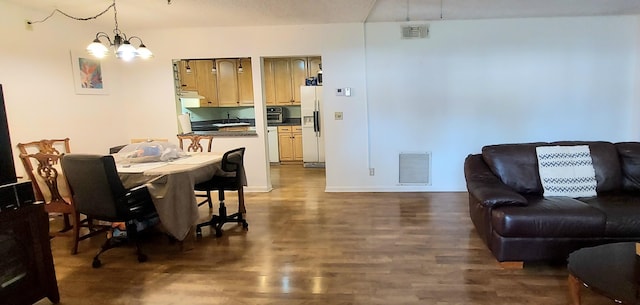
{"type": "Point", "coordinates": [272, 137]}
{"type": "Point", "coordinates": [312, 133]}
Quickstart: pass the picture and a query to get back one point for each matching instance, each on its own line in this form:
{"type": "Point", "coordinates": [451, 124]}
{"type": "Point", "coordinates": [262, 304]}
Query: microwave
{"type": "Point", "coordinates": [275, 115]}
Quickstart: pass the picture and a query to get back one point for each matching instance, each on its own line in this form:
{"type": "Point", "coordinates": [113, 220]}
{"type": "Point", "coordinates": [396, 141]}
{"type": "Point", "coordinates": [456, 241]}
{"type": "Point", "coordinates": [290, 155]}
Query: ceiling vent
{"type": "Point", "coordinates": [415, 31]}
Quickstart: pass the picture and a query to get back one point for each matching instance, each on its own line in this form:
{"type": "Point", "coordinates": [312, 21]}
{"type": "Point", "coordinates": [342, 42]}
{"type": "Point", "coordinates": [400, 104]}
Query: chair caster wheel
{"type": "Point", "coordinates": [218, 232]}
{"type": "Point", "coordinates": [245, 226]}
{"type": "Point", "coordinates": [142, 258]}
{"type": "Point", "coordinates": [198, 233]}
{"type": "Point", "coordinates": [96, 263]}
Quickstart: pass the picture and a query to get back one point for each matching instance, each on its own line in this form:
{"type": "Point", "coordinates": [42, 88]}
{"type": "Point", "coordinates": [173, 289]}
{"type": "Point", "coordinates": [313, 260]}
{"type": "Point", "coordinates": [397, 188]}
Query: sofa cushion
{"type": "Point", "coordinates": [516, 165]}
{"type": "Point", "coordinates": [566, 171]}
{"type": "Point", "coordinates": [629, 153]}
{"type": "Point", "coordinates": [622, 213]}
{"type": "Point", "coordinates": [549, 217]}
{"type": "Point", "coordinates": [606, 164]}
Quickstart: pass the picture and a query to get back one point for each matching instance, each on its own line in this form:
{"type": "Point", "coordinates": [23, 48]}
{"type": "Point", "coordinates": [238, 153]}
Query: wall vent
{"type": "Point", "coordinates": [415, 168]}
{"type": "Point", "coordinates": [415, 31]}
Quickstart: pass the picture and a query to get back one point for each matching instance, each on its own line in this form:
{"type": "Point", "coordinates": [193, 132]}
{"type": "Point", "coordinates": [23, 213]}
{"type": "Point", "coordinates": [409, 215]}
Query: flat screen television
{"type": "Point", "coordinates": [7, 167]}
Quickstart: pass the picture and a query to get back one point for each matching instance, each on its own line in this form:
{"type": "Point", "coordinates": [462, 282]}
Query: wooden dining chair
{"type": "Point", "coordinates": [194, 142]}
{"type": "Point", "coordinates": [52, 186]}
{"type": "Point", "coordinates": [45, 146]}
{"type": "Point", "coordinates": [194, 145]}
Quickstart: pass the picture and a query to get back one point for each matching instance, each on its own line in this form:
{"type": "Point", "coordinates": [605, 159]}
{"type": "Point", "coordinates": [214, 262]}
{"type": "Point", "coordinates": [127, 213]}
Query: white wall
{"type": "Point", "coordinates": [472, 83]}
{"type": "Point", "coordinates": [480, 82]}
{"type": "Point", "coordinates": [38, 86]}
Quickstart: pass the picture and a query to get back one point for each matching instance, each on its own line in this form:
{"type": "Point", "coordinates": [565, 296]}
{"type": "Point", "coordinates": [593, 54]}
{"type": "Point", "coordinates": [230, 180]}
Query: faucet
{"type": "Point", "coordinates": [228, 120]}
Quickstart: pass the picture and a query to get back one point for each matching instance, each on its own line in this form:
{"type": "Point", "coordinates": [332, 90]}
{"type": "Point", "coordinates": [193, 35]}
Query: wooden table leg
{"type": "Point", "coordinates": [574, 290]}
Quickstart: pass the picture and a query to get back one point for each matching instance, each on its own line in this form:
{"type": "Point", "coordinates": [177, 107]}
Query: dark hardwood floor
{"type": "Point", "coordinates": [305, 246]}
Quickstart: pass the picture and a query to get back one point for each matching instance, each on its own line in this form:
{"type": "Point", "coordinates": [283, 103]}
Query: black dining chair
{"type": "Point", "coordinates": [232, 178]}
{"type": "Point", "coordinates": [98, 193]}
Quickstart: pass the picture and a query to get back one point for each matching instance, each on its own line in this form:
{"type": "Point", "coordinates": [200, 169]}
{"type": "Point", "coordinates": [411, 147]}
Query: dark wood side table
{"type": "Point", "coordinates": [26, 269]}
{"type": "Point", "coordinates": [612, 270]}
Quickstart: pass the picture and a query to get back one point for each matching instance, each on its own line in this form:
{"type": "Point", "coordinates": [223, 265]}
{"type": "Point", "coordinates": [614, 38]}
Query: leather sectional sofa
{"type": "Point", "coordinates": [518, 224]}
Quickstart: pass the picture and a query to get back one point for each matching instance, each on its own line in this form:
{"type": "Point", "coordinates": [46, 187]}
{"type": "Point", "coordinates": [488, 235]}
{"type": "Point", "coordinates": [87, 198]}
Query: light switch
{"type": "Point", "coordinates": [338, 116]}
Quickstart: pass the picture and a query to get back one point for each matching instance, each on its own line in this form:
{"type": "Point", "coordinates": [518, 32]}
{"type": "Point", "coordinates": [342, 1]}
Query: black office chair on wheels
{"type": "Point", "coordinates": [98, 193]}
{"type": "Point", "coordinates": [231, 178]}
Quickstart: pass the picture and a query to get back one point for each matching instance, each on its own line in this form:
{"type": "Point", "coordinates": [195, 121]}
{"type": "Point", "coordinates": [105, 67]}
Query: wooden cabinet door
{"type": "Point", "coordinates": [245, 83]}
{"type": "Point", "coordinates": [282, 81]}
{"type": "Point", "coordinates": [227, 78]}
{"type": "Point", "coordinates": [187, 76]}
{"type": "Point", "coordinates": [269, 82]}
{"type": "Point", "coordinates": [314, 66]}
{"type": "Point", "coordinates": [206, 82]}
{"type": "Point", "coordinates": [297, 146]}
{"type": "Point", "coordinates": [299, 75]}
{"type": "Point", "coordinates": [286, 146]}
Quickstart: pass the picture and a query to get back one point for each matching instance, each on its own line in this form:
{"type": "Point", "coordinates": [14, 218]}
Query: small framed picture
{"type": "Point", "coordinates": [88, 74]}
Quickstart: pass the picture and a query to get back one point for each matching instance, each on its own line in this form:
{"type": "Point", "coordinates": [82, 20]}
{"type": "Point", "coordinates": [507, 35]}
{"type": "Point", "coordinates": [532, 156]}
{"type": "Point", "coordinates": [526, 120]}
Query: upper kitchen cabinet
{"type": "Point", "coordinates": [315, 66]}
{"type": "Point", "coordinates": [227, 82]}
{"type": "Point", "coordinates": [299, 74]}
{"type": "Point", "coordinates": [283, 78]}
{"type": "Point", "coordinates": [245, 83]}
{"type": "Point", "coordinates": [218, 80]}
{"type": "Point", "coordinates": [187, 75]}
{"type": "Point", "coordinates": [206, 82]}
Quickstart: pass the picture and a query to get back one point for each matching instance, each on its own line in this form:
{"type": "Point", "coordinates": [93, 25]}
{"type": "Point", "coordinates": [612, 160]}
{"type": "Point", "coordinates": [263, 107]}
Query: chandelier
{"type": "Point", "coordinates": [120, 43]}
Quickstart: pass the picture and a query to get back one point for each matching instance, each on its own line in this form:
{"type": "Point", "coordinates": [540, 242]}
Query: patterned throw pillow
{"type": "Point", "coordinates": [566, 171]}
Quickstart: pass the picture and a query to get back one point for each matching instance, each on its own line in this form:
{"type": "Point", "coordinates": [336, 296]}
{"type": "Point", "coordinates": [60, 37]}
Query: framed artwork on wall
{"type": "Point", "coordinates": [88, 74]}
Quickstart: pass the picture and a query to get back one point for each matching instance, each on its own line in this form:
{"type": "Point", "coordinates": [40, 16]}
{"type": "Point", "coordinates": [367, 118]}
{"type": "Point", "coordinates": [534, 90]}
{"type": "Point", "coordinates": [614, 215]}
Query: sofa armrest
{"type": "Point", "coordinates": [486, 187]}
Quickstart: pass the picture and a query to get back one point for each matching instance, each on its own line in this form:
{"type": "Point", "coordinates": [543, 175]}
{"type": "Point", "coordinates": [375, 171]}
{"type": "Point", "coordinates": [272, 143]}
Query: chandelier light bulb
{"type": "Point", "coordinates": [126, 51]}
{"type": "Point", "coordinates": [143, 52]}
{"type": "Point", "coordinates": [97, 49]}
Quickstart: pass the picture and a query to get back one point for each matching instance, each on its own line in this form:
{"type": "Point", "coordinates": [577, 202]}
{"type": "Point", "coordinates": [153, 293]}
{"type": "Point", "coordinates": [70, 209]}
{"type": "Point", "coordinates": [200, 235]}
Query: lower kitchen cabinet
{"type": "Point", "coordinates": [290, 143]}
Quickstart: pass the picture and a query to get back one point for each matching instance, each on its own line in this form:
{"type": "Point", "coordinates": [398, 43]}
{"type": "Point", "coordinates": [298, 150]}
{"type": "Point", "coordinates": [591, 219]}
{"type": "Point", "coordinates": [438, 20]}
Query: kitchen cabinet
{"type": "Point", "coordinates": [187, 76]}
{"type": "Point", "coordinates": [283, 88]}
{"type": "Point", "coordinates": [299, 75]}
{"type": "Point", "coordinates": [245, 83]}
{"type": "Point", "coordinates": [290, 143]}
{"type": "Point", "coordinates": [315, 64]}
{"type": "Point", "coordinates": [227, 78]}
{"type": "Point", "coordinates": [234, 88]}
{"type": "Point", "coordinates": [224, 87]}
{"type": "Point", "coordinates": [269, 85]}
{"type": "Point", "coordinates": [283, 78]}
{"type": "Point", "coordinates": [206, 82]}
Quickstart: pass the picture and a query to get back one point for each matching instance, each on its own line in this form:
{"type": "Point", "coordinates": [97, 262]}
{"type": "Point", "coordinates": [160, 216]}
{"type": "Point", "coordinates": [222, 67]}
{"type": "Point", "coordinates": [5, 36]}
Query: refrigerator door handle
{"type": "Point", "coordinates": [316, 121]}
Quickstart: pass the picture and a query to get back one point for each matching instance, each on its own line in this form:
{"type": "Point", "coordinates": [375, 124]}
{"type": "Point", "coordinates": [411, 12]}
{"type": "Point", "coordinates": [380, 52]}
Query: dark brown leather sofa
{"type": "Point", "coordinates": [518, 224]}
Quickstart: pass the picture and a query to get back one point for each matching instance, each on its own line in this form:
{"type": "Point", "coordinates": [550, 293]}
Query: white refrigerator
{"type": "Point", "coordinates": [312, 132]}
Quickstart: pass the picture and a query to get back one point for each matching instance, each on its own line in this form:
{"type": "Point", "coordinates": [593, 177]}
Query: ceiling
{"type": "Point", "coordinates": [206, 13]}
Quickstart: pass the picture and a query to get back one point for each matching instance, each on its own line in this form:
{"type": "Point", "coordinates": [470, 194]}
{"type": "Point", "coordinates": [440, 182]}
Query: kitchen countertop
{"type": "Point", "coordinates": [248, 133]}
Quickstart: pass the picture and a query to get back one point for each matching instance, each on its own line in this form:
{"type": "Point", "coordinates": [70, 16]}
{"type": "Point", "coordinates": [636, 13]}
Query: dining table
{"type": "Point", "coordinates": [171, 185]}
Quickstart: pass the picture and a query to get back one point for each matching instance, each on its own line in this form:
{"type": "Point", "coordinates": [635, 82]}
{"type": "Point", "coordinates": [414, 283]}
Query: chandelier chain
{"type": "Point", "coordinates": [113, 5]}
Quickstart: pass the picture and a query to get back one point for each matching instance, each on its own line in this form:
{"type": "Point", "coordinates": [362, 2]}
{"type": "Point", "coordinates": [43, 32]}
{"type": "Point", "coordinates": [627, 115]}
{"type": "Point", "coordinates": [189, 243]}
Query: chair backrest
{"type": "Point", "coordinates": [45, 146]}
{"type": "Point", "coordinates": [95, 185]}
{"type": "Point", "coordinates": [49, 181]}
{"type": "Point", "coordinates": [194, 142]}
{"type": "Point", "coordinates": [233, 162]}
